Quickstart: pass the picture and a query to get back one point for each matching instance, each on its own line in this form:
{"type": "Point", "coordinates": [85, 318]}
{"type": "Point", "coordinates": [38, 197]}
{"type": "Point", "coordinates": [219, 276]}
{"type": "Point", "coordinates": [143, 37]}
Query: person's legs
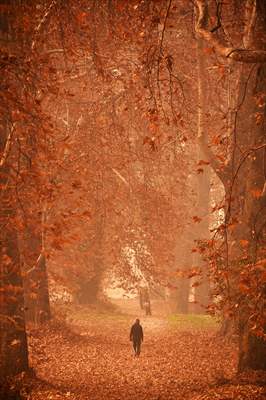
{"type": "Point", "coordinates": [135, 346]}
{"type": "Point", "coordinates": [138, 344]}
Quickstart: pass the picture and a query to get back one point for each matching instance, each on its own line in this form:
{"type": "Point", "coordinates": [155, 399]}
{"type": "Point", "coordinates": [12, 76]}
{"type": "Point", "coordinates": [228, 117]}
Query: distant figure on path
{"type": "Point", "coordinates": [147, 306]}
{"type": "Point", "coordinates": [136, 336]}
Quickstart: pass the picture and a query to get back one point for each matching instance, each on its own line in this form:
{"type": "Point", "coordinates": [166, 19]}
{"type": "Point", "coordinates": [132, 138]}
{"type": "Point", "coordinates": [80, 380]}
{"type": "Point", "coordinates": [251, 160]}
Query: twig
{"type": "Point", "coordinates": [7, 146]}
{"type": "Point", "coordinates": [53, 3]}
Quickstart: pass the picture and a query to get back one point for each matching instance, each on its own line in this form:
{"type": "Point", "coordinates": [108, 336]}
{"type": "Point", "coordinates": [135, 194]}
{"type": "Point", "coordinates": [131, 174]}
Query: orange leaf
{"type": "Point", "coordinates": [208, 50]}
{"type": "Point", "coordinates": [6, 260]}
{"type": "Point", "coordinates": [146, 140]}
{"type": "Point", "coordinates": [81, 17]}
{"type": "Point", "coordinates": [86, 214]}
{"type": "Point", "coordinates": [196, 219]}
{"type": "Point", "coordinates": [195, 284]}
{"type": "Point", "coordinates": [203, 162]}
{"type": "Point", "coordinates": [200, 171]}
{"type": "Point", "coordinates": [256, 193]}
{"type": "Point", "coordinates": [259, 118]}
{"type": "Point", "coordinates": [244, 242]}
{"type": "Point", "coordinates": [243, 288]}
{"type": "Point", "coordinates": [263, 278]}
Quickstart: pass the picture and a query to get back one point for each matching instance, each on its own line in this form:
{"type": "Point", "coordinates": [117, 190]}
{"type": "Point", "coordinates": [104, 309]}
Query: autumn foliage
{"type": "Point", "coordinates": [132, 150]}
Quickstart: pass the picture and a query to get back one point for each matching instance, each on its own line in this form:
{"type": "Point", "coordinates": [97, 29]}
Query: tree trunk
{"type": "Point", "coordinates": [184, 262]}
{"type": "Point", "coordinates": [245, 180]}
{"type": "Point", "coordinates": [14, 351]}
{"type": "Point", "coordinates": [256, 353]}
{"type": "Point", "coordinates": [37, 303]}
{"type": "Point", "coordinates": [90, 289]}
{"type": "Point", "coordinates": [182, 296]}
{"type": "Point", "coordinates": [250, 210]}
{"type": "Point", "coordinates": [202, 234]}
{"type": "Point", "coordinates": [35, 277]}
{"type": "Point", "coordinates": [13, 339]}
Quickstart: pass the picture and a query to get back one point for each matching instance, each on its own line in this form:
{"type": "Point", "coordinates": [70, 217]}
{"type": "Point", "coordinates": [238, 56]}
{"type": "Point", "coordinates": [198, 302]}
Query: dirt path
{"type": "Point", "coordinates": [94, 360]}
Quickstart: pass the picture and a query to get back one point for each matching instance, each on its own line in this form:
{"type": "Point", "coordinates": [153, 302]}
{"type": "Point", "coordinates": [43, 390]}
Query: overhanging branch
{"type": "Point", "coordinates": [236, 54]}
{"type": "Point", "coordinates": [7, 147]}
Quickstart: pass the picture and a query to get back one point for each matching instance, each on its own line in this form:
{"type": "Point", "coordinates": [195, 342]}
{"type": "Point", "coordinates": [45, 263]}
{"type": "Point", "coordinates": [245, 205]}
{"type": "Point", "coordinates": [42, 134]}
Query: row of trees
{"type": "Point", "coordinates": [24, 133]}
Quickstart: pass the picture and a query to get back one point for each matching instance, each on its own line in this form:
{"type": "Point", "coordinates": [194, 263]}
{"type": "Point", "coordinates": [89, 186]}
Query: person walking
{"type": "Point", "coordinates": [147, 306]}
{"type": "Point", "coordinates": [136, 336]}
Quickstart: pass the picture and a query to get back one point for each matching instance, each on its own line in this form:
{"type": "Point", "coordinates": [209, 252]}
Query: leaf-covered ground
{"type": "Point", "coordinates": [90, 357]}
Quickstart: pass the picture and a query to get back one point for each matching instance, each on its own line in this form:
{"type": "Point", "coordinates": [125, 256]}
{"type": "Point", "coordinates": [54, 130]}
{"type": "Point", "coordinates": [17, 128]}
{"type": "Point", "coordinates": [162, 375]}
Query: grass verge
{"type": "Point", "coordinates": [192, 321]}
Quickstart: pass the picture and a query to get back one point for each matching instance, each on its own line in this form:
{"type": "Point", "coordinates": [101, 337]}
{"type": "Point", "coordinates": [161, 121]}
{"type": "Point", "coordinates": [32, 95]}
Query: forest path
{"type": "Point", "coordinates": [91, 358]}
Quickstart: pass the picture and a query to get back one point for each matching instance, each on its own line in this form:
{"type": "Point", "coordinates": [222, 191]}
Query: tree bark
{"type": "Point", "coordinates": [251, 55]}
{"type": "Point", "coordinates": [183, 261]}
{"type": "Point", "coordinates": [13, 339]}
{"type": "Point", "coordinates": [35, 279]}
{"type": "Point", "coordinates": [14, 351]}
{"type": "Point", "coordinates": [250, 208]}
{"type": "Point", "coordinates": [90, 289]}
{"type": "Point", "coordinates": [202, 291]}
{"type": "Point", "coordinates": [182, 297]}
{"type": "Point", "coordinates": [244, 179]}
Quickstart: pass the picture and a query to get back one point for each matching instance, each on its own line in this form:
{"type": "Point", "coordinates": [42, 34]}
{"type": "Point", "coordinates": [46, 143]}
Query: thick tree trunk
{"type": "Point", "coordinates": [202, 288]}
{"type": "Point", "coordinates": [35, 277]}
{"type": "Point", "coordinates": [182, 296]}
{"type": "Point", "coordinates": [250, 208]}
{"type": "Point", "coordinates": [245, 179]}
{"type": "Point", "coordinates": [179, 294]}
{"type": "Point", "coordinates": [37, 303]}
{"type": "Point", "coordinates": [13, 339]}
{"type": "Point", "coordinates": [202, 234]}
{"type": "Point", "coordinates": [13, 350]}
{"type": "Point", "coordinates": [89, 290]}
{"type": "Point", "coordinates": [184, 261]}
{"type": "Point", "coordinates": [252, 349]}
{"type": "Point", "coordinates": [256, 353]}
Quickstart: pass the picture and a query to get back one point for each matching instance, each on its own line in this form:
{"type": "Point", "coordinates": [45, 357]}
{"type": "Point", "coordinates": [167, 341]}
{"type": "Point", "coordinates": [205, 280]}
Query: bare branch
{"type": "Point", "coordinates": [52, 51]}
{"type": "Point", "coordinates": [46, 14]}
{"type": "Point", "coordinates": [120, 176]}
{"type": "Point", "coordinates": [251, 8]}
{"type": "Point", "coordinates": [7, 146]}
{"type": "Point", "coordinates": [36, 265]}
{"type": "Point", "coordinates": [202, 136]}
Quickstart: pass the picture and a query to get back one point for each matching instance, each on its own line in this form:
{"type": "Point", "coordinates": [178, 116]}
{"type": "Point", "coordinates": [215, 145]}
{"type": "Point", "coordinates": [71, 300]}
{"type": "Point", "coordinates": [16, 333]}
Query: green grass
{"type": "Point", "coordinates": [194, 321]}
{"type": "Point", "coordinates": [99, 315]}
{"type": "Point", "coordinates": [102, 314]}
{"type": "Point", "coordinates": [90, 313]}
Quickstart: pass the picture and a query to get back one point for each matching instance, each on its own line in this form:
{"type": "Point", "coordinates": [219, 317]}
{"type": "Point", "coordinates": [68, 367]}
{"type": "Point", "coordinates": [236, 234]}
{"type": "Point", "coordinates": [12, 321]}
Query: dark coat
{"type": "Point", "coordinates": [136, 333]}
